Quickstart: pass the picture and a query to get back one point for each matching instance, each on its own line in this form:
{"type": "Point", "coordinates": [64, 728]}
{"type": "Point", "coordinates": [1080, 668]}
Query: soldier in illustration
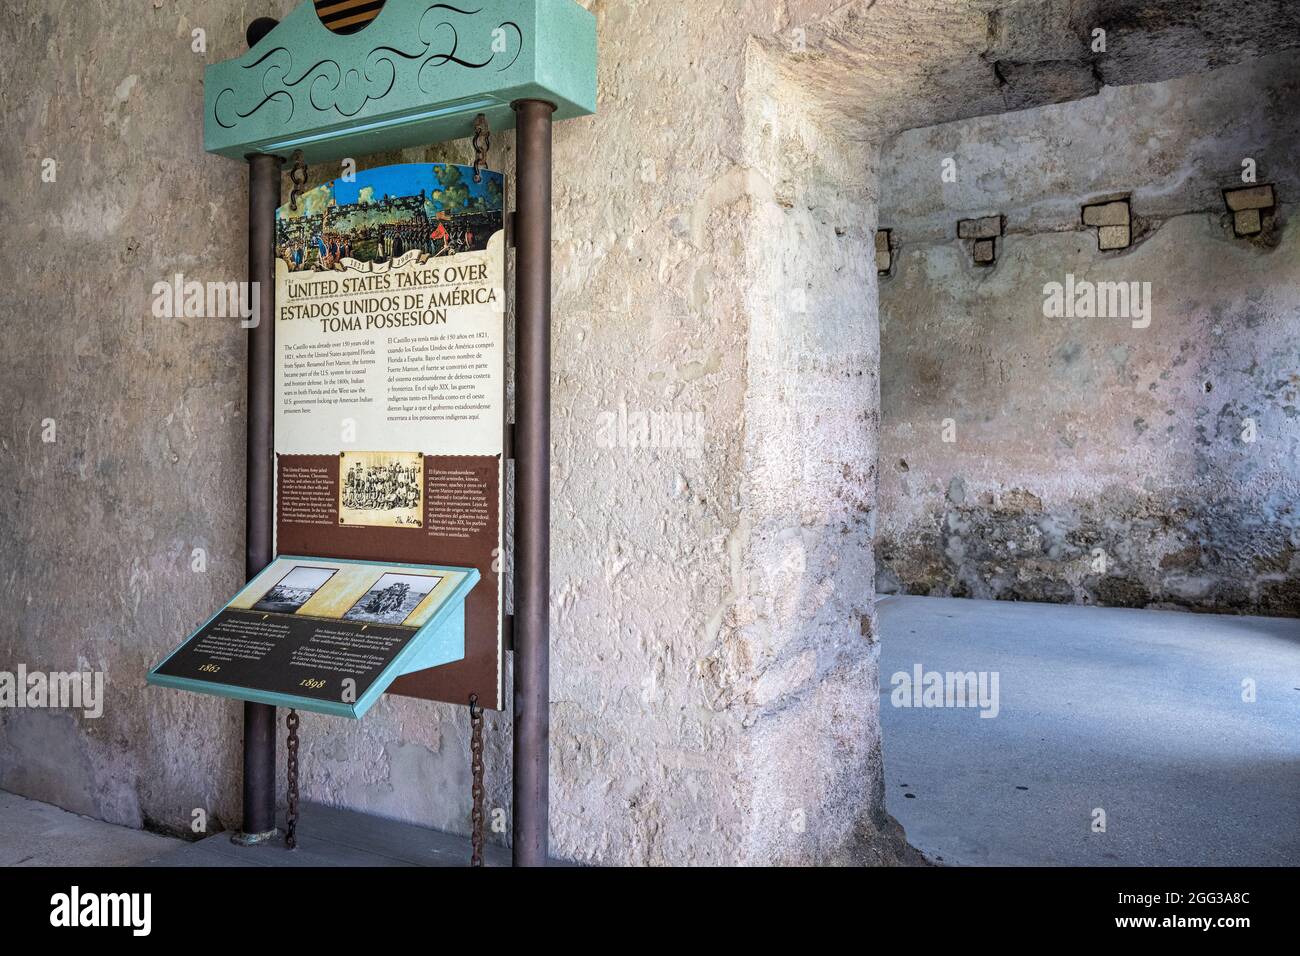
{"type": "Point", "coordinates": [439, 233]}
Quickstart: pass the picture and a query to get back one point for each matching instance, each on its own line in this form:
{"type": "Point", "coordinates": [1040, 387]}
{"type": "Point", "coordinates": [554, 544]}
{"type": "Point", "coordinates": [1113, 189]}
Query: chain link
{"type": "Point", "coordinates": [476, 774]}
{"type": "Point", "coordinates": [291, 831]}
{"type": "Point", "coordinates": [298, 176]}
{"type": "Point", "coordinates": [482, 143]}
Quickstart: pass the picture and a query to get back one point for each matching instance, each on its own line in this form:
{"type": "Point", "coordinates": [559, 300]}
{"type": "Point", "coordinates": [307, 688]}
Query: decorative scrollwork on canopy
{"type": "Point", "coordinates": [418, 72]}
{"type": "Point", "coordinates": [272, 80]}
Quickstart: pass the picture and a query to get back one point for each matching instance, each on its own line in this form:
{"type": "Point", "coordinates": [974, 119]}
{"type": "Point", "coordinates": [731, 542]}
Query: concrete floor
{"type": "Point", "coordinates": [41, 834]}
{"type": "Point", "coordinates": [1139, 713]}
{"type": "Point", "coordinates": [332, 837]}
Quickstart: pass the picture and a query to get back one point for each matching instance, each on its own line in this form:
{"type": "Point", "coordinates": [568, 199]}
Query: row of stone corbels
{"type": "Point", "coordinates": [1113, 220]}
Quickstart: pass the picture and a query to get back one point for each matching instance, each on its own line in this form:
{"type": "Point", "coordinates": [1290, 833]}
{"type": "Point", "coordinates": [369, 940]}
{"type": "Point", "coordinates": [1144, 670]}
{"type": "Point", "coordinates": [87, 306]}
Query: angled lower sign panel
{"type": "Point", "coordinates": [325, 636]}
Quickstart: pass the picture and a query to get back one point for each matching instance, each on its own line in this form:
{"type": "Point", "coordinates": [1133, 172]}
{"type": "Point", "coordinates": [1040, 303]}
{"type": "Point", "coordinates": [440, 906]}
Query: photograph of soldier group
{"type": "Point", "coordinates": [381, 487]}
{"type": "Point", "coordinates": [392, 598]}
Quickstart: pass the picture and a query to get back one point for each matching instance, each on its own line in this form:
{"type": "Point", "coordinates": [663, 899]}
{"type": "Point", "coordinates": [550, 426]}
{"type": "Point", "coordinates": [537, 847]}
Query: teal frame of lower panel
{"type": "Point", "coordinates": [440, 641]}
{"type": "Point", "coordinates": [417, 74]}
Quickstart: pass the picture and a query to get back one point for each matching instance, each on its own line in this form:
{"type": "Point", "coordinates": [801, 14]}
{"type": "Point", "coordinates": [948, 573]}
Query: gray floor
{"type": "Point", "coordinates": [40, 834]}
{"type": "Point", "coordinates": [331, 837]}
{"type": "Point", "coordinates": [1139, 713]}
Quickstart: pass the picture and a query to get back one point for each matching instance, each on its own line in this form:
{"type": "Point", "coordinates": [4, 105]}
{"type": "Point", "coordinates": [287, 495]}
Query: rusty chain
{"type": "Point", "coordinates": [482, 143]}
{"type": "Point", "coordinates": [298, 176]}
{"type": "Point", "coordinates": [476, 775]}
{"type": "Point", "coordinates": [291, 830]}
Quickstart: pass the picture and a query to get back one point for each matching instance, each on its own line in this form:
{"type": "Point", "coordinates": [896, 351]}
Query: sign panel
{"type": "Point", "coordinates": [326, 636]}
{"type": "Point", "coordinates": [390, 387]}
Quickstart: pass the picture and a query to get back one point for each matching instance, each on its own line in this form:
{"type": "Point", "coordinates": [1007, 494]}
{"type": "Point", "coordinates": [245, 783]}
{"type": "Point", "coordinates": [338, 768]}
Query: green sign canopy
{"type": "Point", "coordinates": [418, 73]}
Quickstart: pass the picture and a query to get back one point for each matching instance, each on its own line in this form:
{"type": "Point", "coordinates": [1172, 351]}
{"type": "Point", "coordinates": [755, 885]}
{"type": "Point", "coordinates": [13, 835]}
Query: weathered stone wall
{"type": "Point", "coordinates": [1073, 435]}
{"type": "Point", "coordinates": [799, 644]}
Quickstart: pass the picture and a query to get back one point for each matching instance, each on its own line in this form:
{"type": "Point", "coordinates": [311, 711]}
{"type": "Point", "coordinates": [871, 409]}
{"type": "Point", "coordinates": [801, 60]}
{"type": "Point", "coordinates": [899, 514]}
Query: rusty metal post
{"type": "Point", "coordinates": [532, 557]}
{"type": "Point", "coordinates": [259, 719]}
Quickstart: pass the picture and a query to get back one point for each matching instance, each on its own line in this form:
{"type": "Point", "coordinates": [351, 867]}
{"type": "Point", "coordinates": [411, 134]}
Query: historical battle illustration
{"type": "Point", "coordinates": [381, 489]}
{"type": "Point", "coordinates": [392, 598]}
{"type": "Point", "coordinates": [433, 210]}
{"type": "Point", "coordinates": [293, 590]}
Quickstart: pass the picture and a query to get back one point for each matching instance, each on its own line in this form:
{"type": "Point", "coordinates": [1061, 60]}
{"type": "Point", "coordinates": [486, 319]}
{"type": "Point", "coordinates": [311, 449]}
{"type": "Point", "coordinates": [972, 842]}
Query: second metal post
{"type": "Point", "coordinates": [532, 554]}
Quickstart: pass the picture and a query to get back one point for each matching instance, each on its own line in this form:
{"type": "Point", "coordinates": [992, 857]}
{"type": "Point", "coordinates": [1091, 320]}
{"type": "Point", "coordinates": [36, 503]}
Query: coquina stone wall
{"type": "Point", "coordinates": [1097, 460]}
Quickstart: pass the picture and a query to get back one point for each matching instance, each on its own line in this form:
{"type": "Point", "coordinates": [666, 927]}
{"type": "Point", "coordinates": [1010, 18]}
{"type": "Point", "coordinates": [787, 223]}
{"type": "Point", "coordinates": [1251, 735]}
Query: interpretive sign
{"type": "Point", "coordinates": [390, 387]}
{"type": "Point", "coordinates": [325, 636]}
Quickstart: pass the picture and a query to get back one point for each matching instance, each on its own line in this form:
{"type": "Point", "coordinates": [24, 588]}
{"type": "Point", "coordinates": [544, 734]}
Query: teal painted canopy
{"type": "Point", "coordinates": [418, 73]}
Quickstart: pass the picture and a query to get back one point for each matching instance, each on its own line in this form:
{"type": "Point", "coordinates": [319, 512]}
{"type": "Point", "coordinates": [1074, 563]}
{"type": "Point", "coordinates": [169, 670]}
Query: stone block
{"type": "Point", "coordinates": [985, 251]}
{"type": "Point", "coordinates": [1026, 85]}
{"type": "Point", "coordinates": [884, 257]}
{"type": "Point", "coordinates": [1247, 222]}
{"type": "Point", "coordinates": [988, 227]}
{"type": "Point", "coordinates": [1252, 197]}
{"type": "Point", "coordinates": [1114, 237]}
{"type": "Point", "coordinates": [1107, 214]}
